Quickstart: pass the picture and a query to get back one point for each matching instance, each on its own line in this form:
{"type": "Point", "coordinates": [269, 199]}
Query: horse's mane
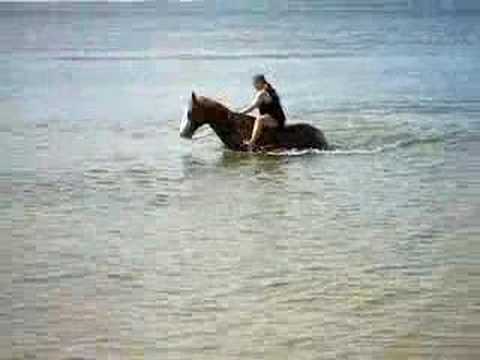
{"type": "Point", "coordinates": [203, 100]}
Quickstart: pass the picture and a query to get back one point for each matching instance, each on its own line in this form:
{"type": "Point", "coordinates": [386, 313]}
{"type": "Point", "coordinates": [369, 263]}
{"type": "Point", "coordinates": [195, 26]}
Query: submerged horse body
{"type": "Point", "coordinates": [235, 128]}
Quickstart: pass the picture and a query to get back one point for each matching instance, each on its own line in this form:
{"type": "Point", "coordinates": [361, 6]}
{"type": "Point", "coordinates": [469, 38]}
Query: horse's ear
{"type": "Point", "coordinates": [194, 98]}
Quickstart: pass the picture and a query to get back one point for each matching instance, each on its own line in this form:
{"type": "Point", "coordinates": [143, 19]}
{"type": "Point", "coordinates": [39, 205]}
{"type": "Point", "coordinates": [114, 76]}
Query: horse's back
{"type": "Point", "coordinates": [301, 136]}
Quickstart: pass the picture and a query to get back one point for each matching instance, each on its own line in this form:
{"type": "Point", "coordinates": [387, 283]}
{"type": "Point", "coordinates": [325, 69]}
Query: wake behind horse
{"type": "Point", "coordinates": [234, 129]}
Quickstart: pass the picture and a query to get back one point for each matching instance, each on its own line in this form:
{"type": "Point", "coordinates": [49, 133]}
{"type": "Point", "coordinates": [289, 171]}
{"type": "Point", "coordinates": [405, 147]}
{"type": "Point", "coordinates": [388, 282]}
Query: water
{"type": "Point", "coordinates": [120, 240]}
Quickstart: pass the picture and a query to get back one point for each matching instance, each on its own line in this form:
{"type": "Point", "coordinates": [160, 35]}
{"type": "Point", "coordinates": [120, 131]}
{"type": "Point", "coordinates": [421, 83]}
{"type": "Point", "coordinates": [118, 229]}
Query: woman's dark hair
{"type": "Point", "coordinates": [259, 78]}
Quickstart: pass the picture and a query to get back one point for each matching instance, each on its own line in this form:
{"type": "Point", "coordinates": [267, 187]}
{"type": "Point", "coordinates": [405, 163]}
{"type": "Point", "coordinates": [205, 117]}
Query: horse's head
{"type": "Point", "coordinates": [201, 111]}
{"type": "Point", "coordinates": [194, 117]}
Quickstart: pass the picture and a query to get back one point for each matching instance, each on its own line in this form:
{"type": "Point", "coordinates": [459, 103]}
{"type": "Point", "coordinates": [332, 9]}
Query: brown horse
{"type": "Point", "coordinates": [234, 128]}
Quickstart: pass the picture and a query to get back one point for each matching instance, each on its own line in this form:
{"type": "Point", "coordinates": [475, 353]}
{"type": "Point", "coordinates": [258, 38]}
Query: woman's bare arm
{"type": "Point", "coordinates": [255, 104]}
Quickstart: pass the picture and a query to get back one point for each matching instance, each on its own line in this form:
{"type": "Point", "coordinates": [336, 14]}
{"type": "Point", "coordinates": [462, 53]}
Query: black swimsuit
{"type": "Point", "coordinates": [273, 108]}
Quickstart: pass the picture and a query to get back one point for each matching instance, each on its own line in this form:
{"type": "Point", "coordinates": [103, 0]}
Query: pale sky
{"type": "Point", "coordinates": [446, 4]}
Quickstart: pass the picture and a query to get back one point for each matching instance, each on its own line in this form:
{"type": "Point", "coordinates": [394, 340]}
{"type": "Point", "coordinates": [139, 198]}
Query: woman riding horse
{"type": "Point", "coordinates": [235, 129]}
{"type": "Point", "coordinates": [267, 101]}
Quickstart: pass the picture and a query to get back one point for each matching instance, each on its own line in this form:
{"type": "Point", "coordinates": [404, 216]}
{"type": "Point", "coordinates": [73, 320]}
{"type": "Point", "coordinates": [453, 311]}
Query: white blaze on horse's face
{"type": "Point", "coordinates": [186, 124]}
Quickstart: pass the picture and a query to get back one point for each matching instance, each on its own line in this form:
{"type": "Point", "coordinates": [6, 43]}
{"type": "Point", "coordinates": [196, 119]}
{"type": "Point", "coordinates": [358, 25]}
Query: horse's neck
{"type": "Point", "coordinates": [232, 128]}
{"type": "Point", "coordinates": [224, 128]}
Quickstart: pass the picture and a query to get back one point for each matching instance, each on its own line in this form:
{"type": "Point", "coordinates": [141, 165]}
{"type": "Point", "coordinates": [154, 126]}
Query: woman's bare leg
{"type": "Point", "coordinates": [261, 122]}
{"type": "Point", "coordinates": [257, 130]}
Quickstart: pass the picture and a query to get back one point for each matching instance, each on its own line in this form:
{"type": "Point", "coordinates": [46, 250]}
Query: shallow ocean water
{"type": "Point", "coordinates": [119, 240]}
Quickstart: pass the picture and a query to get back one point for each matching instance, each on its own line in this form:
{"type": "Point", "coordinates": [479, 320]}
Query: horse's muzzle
{"type": "Point", "coordinates": [186, 127]}
{"type": "Point", "coordinates": [186, 134]}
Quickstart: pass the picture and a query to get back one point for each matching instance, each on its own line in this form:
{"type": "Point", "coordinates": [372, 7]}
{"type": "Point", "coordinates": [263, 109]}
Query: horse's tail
{"type": "Point", "coordinates": [314, 138]}
{"type": "Point", "coordinates": [320, 141]}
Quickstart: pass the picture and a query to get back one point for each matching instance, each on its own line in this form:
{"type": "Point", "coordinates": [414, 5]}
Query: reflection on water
{"type": "Point", "coordinates": [237, 255]}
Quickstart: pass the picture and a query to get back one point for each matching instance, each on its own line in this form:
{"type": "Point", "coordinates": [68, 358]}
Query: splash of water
{"type": "Point", "coordinates": [338, 150]}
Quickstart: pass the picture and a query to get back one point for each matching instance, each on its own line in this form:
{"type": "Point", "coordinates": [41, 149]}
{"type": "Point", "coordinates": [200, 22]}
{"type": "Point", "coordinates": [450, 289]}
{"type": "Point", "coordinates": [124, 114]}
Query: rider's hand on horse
{"type": "Point", "coordinates": [248, 144]}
